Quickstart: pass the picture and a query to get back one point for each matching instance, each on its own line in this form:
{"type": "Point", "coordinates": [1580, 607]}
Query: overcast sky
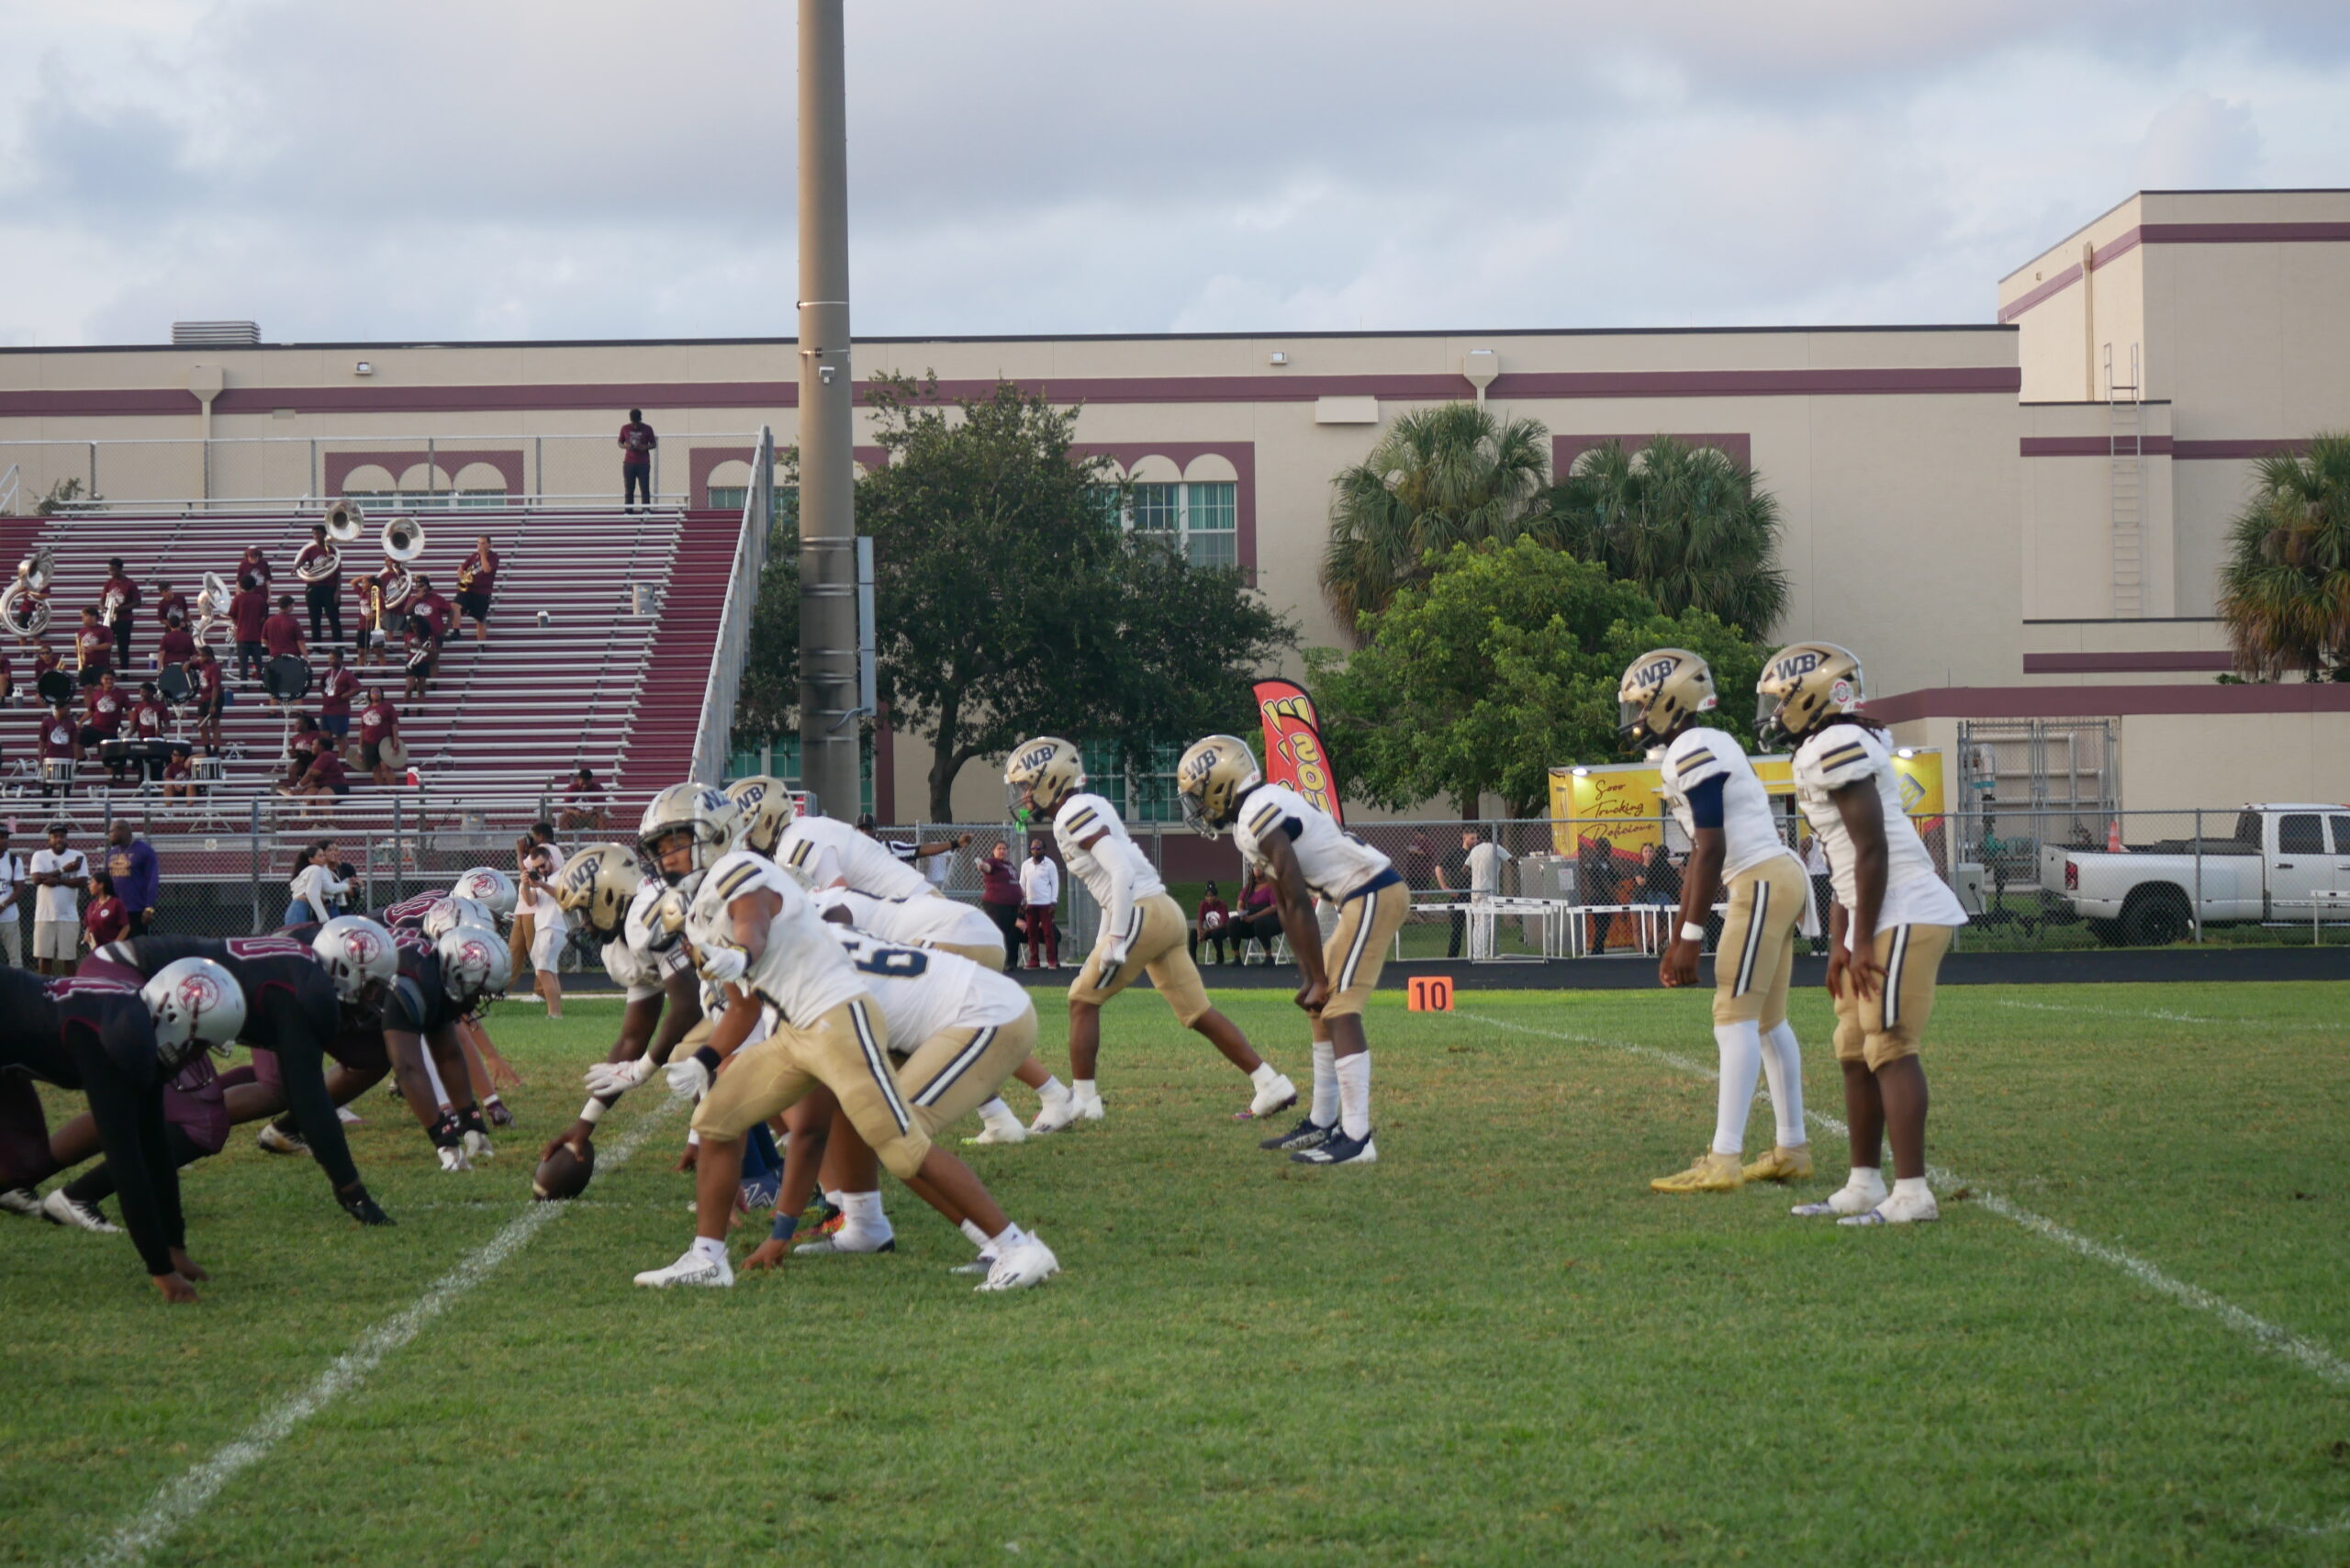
{"type": "Point", "coordinates": [456, 169]}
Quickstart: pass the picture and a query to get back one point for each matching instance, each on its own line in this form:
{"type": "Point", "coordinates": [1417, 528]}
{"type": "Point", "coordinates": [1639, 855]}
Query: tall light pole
{"type": "Point", "coordinates": [829, 738]}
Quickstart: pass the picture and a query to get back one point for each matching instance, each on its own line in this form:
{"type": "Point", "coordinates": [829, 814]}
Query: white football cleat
{"type": "Point", "coordinates": [477, 1147]}
{"type": "Point", "coordinates": [22, 1201]}
{"type": "Point", "coordinates": [841, 1244]}
{"type": "Point", "coordinates": [1030, 1263]}
{"type": "Point", "coordinates": [1278, 1095]}
{"type": "Point", "coordinates": [693, 1269]}
{"type": "Point", "coordinates": [453, 1159]}
{"type": "Point", "coordinates": [1088, 1108]}
{"type": "Point", "coordinates": [59, 1209]}
{"type": "Point", "coordinates": [1054, 1115]}
{"type": "Point", "coordinates": [270, 1141]}
{"type": "Point", "coordinates": [982, 1264]}
{"type": "Point", "coordinates": [1846, 1200]}
{"type": "Point", "coordinates": [1898, 1210]}
{"type": "Point", "coordinates": [1012, 1132]}
{"type": "Point", "coordinates": [346, 1115]}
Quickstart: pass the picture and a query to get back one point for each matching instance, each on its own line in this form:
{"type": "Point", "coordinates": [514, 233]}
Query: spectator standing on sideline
{"type": "Point", "coordinates": [321, 595]}
{"type": "Point", "coordinates": [336, 689]}
{"type": "Point", "coordinates": [1040, 897]}
{"type": "Point", "coordinates": [1823, 890]}
{"type": "Point", "coordinates": [12, 894]}
{"type": "Point", "coordinates": [59, 871]}
{"type": "Point", "coordinates": [540, 863]}
{"type": "Point", "coordinates": [138, 875]}
{"type": "Point", "coordinates": [315, 892]}
{"type": "Point", "coordinates": [476, 580]}
{"type": "Point", "coordinates": [106, 920]}
{"type": "Point", "coordinates": [1485, 860]}
{"type": "Point", "coordinates": [1598, 884]}
{"type": "Point", "coordinates": [119, 594]}
{"type": "Point", "coordinates": [247, 613]}
{"type": "Point", "coordinates": [1453, 878]}
{"type": "Point", "coordinates": [1212, 926]}
{"type": "Point", "coordinates": [637, 444]}
{"type": "Point", "coordinates": [1000, 896]}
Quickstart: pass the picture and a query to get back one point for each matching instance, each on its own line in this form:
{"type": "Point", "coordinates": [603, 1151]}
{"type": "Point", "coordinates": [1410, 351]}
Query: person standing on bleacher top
{"type": "Point", "coordinates": [637, 443]}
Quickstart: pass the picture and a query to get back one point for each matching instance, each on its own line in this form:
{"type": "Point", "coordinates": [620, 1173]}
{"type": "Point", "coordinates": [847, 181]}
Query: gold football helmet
{"type": "Point", "coordinates": [1663, 688]}
{"type": "Point", "coordinates": [1040, 775]}
{"type": "Point", "coordinates": [1211, 778]}
{"type": "Point", "coordinates": [1804, 686]}
{"type": "Point", "coordinates": [696, 809]}
{"type": "Point", "coordinates": [764, 809]}
{"type": "Point", "coordinates": [596, 886]}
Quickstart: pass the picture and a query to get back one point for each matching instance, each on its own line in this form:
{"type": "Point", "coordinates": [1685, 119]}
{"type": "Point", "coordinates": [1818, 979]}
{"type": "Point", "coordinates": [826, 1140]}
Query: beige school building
{"type": "Point", "coordinates": [2011, 522]}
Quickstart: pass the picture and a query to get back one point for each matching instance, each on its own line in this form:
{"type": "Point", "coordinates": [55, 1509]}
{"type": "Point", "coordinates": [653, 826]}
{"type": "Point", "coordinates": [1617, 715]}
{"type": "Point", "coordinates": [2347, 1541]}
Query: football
{"type": "Point", "coordinates": [564, 1173]}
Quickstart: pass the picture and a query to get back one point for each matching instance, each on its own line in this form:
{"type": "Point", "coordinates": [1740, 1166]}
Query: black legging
{"type": "Point", "coordinates": [1265, 926]}
{"type": "Point", "coordinates": [325, 605]}
{"type": "Point", "coordinates": [1007, 920]}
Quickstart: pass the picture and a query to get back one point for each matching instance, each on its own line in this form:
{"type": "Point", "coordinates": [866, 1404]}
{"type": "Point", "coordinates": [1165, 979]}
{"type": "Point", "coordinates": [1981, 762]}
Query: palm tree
{"type": "Point", "coordinates": [1685, 522]}
{"type": "Point", "coordinates": [2284, 591]}
{"type": "Point", "coordinates": [1452, 475]}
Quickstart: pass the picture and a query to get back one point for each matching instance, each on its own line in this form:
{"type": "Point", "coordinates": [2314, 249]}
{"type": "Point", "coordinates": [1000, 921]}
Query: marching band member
{"type": "Point", "coordinates": [118, 598]}
{"type": "Point", "coordinates": [476, 580]}
{"type": "Point", "coordinates": [320, 565]}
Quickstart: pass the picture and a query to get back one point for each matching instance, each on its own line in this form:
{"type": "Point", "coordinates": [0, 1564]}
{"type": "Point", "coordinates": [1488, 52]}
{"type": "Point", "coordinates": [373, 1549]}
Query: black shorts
{"type": "Point", "coordinates": [371, 753]}
{"type": "Point", "coordinates": [474, 605]}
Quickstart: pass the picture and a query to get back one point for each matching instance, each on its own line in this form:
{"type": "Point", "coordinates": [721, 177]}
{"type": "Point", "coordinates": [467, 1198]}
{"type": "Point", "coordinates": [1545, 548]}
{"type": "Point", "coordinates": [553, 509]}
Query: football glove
{"type": "Point", "coordinates": [723, 963]}
{"type": "Point", "coordinates": [690, 1076]}
{"type": "Point", "coordinates": [611, 1080]}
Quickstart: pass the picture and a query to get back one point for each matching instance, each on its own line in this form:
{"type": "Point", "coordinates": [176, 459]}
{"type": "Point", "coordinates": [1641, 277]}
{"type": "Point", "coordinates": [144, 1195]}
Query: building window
{"type": "Point", "coordinates": [1140, 795]}
{"type": "Point", "coordinates": [1203, 521]}
{"type": "Point", "coordinates": [393, 502]}
{"type": "Point", "coordinates": [732, 497]}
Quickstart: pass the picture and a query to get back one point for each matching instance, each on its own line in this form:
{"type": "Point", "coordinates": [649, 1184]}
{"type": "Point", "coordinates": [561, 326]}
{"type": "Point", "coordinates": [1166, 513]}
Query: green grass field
{"type": "Point", "coordinates": [1495, 1346]}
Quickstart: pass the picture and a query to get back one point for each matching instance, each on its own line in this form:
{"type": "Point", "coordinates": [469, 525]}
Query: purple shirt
{"type": "Point", "coordinates": [136, 875]}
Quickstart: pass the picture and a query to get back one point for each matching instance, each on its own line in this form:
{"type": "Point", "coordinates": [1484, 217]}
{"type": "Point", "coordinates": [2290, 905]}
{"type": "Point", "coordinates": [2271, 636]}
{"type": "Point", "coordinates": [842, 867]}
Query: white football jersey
{"type": "Point", "coordinates": [1748, 826]}
{"type": "Point", "coordinates": [821, 852]}
{"type": "Point", "coordinates": [913, 920]}
{"type": "Point", "coordinates": [1336, 863]}
{"type": "Point", "coordinates": [631, 961]}
{"type": "Point", "coordinates": [1083, 816]}
{"type": "Point", "coordinates": [1840, 754]}
{"type": "Point", "coordinates": [923, 992]}
{"type": "Point", "coordinates": [802, 974]}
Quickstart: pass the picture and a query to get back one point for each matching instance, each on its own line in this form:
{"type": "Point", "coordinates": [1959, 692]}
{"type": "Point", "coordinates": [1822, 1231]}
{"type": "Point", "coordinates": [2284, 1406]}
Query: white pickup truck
{"type": "Point", "coordinates": [2274, 867]}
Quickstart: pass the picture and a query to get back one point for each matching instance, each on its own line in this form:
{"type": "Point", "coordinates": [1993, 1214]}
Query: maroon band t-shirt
{"type": "Point", "coordinates": [280, 634]}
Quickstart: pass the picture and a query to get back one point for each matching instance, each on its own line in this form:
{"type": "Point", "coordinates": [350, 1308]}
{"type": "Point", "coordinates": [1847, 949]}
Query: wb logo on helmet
{"type": "Point", "coordinates": [1794, 665]}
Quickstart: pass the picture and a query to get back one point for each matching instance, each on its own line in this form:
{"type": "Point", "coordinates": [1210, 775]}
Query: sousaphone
{"type": "Point", "coordinates": [24, 608]}
{"type": "Point", "coordinates": [345, 522]}
{"type": "Point", "coordinates": [212, 606]}
{"type": "Point", "coordinates": [403, 543]}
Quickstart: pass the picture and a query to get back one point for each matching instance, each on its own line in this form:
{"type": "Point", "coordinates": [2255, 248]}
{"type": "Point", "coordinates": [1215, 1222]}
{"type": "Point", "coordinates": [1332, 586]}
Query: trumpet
{"type": "Point", "coordinates": [24, 608]}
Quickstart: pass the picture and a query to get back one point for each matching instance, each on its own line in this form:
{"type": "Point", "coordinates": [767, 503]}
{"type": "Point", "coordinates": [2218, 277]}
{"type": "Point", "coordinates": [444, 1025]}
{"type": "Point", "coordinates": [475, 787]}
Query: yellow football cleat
{"type": "Point", "coordinates": [1712, 1174]}
{"type": "Point", "coordinates": [1782, 1164]}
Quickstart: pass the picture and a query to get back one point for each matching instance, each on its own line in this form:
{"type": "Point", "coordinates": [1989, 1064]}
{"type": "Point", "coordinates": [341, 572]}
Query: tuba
{"type": "Point", "coordinates": [403, 543]}
{"type": "Point", "coordinates": [24, 608]}
{"type": "Point", "coordinates": [342, 521]}
{"type": "Point", "coordinates": [212, 605]}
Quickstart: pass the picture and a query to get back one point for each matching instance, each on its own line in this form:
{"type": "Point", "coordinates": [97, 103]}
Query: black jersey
{"type": "Point", "coordinates": [419, 1002]}
{"type": "Point", "coordinates": [94, 1035]}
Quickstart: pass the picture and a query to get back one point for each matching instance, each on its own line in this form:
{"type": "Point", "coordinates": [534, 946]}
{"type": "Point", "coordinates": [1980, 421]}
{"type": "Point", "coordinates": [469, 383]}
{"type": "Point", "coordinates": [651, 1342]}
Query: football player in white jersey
{"type": "Point", "coordinates": [1892, 922]}
{"type": "Point", "coordinates": [822, 853]}
{"type": "Point", "coordinates": [955, 1031]}
{"type": "Point", "coordinates": [1308, 857]}
{"type": "Point", "coordinates": [1142, 932]}
{"type": "Point", "coordinates": [754, 932]}
{"type": "Point", "coordinates": [1735, 850]}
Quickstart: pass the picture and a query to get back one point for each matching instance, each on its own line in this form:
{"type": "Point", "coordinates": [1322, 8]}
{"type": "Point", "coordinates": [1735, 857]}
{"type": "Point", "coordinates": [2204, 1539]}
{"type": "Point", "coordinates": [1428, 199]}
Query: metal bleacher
{"type": "Point", "coordinates": [597, 685]}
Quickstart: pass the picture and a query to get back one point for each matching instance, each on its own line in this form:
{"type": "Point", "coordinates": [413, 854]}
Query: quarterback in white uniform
{"type": "Point", "coordinates": [1142, 932]}
{"type": "Point", "coordinates": [1736, 850]}
{"type": "Point", "coordinates": [1892, 922]}
{"type": "Point", "coordinates": [754, 932]}
{"type": "Point", "coordinates": [1307, 855]}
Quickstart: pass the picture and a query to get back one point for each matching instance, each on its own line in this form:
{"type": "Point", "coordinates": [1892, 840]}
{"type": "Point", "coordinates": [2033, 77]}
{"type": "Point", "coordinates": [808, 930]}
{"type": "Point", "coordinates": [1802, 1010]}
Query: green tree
{"type": "Point", "coordinates": [1504, 666]}
{"type": "Point", "coordinates": [1452, 475]}
{"type": "Point", "coordinates": [1007, 606]}
{"type": "Point", "coordinates": [2285, 590]}
{"type": "Point", "coordinates": [1685, 523]}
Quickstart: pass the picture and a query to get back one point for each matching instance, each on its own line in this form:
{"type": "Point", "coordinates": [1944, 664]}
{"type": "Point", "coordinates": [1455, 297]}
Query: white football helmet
{"type": "Point", "coordinates": [764, 809]}
{"type": "Point", "coordinates": [1804, 686]}
{"type": "Point", "coordinates": [1661, 690]}
{"type": "Point", "coordinates": [490, 888]}
{"type": "Point", "coordinates": [1039, 775]}
{"type": "Point", "coordinates": [696, 809]}
{"type": "Point", "coordinates": [473, 964]}
{"type": "Point", "coordinates": [1211, 778]}
{"type": "Point", "coordinates": [356, 954]}
{"type": "Point", "coordinates": [196, 1004]}
{"type": "Point", "coordinates": [449, 912]}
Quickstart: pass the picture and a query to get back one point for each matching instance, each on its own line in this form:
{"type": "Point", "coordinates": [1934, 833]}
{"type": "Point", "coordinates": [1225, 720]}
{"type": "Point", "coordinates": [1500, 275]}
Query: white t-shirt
{"type": "Point", "coordinates": [542, 906]}
{"type": "Point", "coordinates": [1086, 816]}
{"type": "Point", "coordinates": [820, 852]}
{"type": "Point", "coordinates": [12, 871]}
{"type": "Point", "coordinates": [924, 992]}
{"type": "Point", "coordinates": [803, 974]}
{"type": "Point", "coordinates": [1336, 864]}
{"type": "Point", "coordinates": [64, 903]}
{"type": "Point", "coordinates": [1040, 881]}
{"type": "Point", "coordinates": [1840, 754]}
{"type": "Point", "coordinates": [1750, 832]}
{"type": "Point", "coordinates": [913, 920]}
{"type": "Point", "coordinates": [1485, 863]}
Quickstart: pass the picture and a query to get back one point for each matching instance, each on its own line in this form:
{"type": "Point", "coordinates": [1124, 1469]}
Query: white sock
{"type": "Point", "coordinates": [1084, 1088]}
{"type": "Point", "coordinates": [864, 1220]}
{"type": "Point", "coordinates": [1911, 1187]}
{"type": "Point", "coordinates": [1866, 1179]}
{"type": "Point", "coordinates": [693, 1139]}
{"type": "Point", "coordinates": [837, 1198]}
{"type": "Point", "coordinates": [1004, 1243]}
{"type": "Point", "coordinates": [1326, 1084]}
{"type": "Point", "coordinates": [996, 1113]}
{"type": "Point", "coordinates": [1354, 1094]}
{"type": "Point", "coordinates": [1263, 1075]}
{"type": "Point", "coordinates": [710, 1246]}
{"type": "Point", "coordinates": [1741, 1048]}
{"type": "Point", "coordinates": [1053, 1092]}
{"type": "Point", "coordinates": [973, 1234]}
{"type": "Point", "coordinates": [1783, 1070]}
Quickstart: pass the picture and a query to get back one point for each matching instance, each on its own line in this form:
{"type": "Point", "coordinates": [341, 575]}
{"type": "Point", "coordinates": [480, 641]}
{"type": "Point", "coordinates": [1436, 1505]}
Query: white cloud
{"type": "Point", "coordinates": [583, 168]}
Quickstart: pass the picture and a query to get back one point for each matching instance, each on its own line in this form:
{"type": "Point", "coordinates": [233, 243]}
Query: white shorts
{"type": "Point", "coordinates": [546, 944]}
{"type": "Point", "coordinates": [59, 939]}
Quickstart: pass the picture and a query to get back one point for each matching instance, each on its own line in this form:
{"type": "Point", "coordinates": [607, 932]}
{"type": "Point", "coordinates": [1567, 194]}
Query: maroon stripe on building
{"type": "Point", "coordinates": [2130, 239]}
{"type": "Point", "coordinates": [2258, 446]}
{"type": "Point", "coordinates": [2092, 446]}
{"type": "Point", "coordinates": [2068, 701]}
{"type": "Point", "coordinates": [2185, 660]}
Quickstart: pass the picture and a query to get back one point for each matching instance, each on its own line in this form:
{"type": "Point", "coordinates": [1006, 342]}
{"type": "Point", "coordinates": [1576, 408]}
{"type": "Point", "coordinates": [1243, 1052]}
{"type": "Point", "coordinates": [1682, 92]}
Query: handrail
{"type": "Point", "coordinates": [11, 485]}
{"type": "Point", "coordinates": [716, 726]}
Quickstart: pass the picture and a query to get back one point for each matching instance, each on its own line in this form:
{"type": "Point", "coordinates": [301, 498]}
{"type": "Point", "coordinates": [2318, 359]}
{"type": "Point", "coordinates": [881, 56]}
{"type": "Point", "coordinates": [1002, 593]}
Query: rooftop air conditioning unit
{"type": "Point", "coordinates": [216, 335]}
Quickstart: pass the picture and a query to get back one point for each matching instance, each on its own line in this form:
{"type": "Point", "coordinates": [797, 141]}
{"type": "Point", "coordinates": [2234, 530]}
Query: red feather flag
{"type": "Point", "coordinates": [1294, 755]}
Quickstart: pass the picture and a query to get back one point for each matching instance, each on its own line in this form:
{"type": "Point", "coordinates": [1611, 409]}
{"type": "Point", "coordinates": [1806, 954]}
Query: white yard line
{"type": "Point", "coordinates": [2306, 1353]}
{"type": "Point", "coordinates": [2159, 1015]}
{"type": "Point", "coordinates": [174, 1504]}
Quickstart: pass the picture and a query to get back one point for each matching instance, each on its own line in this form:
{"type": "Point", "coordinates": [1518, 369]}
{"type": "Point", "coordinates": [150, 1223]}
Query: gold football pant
{"type": "Point", "coordinates": [1159, 949]}
{"type": "Point", "coordinates": [1357, 950]}
{"type": "Point", "coordinates": [956, 1071]}
{"type": "Point", "coordinates": [1756, 956]}
{"type": "Point", "coordinates": [844, 1050]}
{"type": "Point", "coordinates": [1889, 1025]}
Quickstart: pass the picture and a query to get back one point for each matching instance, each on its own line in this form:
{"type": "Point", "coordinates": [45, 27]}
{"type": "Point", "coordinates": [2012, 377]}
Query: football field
{"type": "Point", "coordinates": [2127, 1340]}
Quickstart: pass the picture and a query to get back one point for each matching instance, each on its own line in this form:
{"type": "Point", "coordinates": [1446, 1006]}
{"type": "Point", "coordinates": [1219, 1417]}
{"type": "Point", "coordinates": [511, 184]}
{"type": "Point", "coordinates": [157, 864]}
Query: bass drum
{"type": "Point", "coordinates": [177, 685]}
{"type": "Point", "coordinates": [286, 678]}
{"type": "Point", "coordinates": [55, 686]}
